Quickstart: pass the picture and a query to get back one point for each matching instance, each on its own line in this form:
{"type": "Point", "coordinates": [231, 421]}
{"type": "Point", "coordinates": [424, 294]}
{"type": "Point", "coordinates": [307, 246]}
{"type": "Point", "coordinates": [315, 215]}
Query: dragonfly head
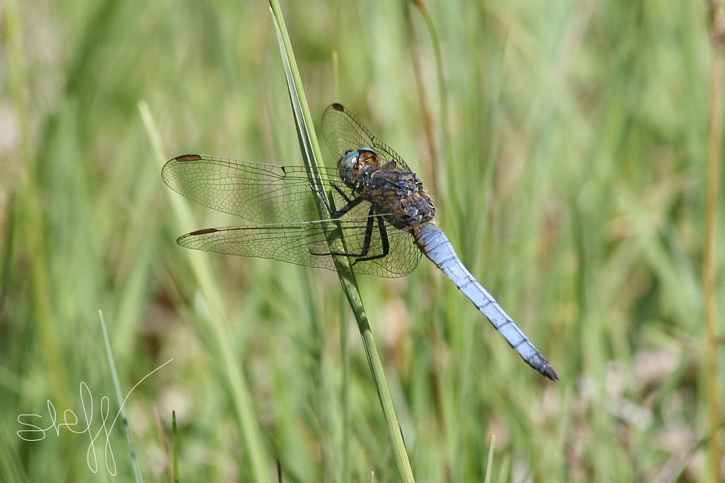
{"type": "Point", "coordinates": [352, 162]}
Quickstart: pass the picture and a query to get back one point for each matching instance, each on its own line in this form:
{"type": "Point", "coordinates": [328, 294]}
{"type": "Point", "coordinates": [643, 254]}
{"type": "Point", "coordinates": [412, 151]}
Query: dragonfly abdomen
{"type": "Point", "coordinates": [436, 246]}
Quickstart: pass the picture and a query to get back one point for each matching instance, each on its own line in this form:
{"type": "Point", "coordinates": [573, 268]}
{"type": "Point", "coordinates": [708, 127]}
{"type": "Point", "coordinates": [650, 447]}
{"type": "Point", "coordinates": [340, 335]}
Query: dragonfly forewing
{"type": "Point", "coordinates": [258, 192]}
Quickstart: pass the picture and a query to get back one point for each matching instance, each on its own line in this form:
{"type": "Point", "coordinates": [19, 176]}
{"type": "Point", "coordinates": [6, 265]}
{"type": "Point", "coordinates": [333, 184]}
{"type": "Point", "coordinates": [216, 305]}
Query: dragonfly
{"type": "Point", "coordinates": [377, 207]}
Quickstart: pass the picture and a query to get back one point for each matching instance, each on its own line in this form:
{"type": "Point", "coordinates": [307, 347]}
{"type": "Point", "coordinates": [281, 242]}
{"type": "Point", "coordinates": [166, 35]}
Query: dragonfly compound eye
{"type": "Point", "coordinates": [348, 166]}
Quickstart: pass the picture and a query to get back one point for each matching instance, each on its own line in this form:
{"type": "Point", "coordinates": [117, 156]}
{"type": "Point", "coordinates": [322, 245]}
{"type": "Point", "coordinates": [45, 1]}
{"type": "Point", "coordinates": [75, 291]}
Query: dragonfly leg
{"type": "Point", "coordinates": [341, 193]}
{"type": "Point", "coordinates": [367, 240]}
{"type": "Point", "coordinates": [349, 203]}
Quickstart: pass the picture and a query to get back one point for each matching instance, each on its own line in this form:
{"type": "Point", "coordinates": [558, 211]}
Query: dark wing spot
{"type": "Point", "coordinates": [188, 157]}
{"type": "Point", "coordinates": [203, 232]}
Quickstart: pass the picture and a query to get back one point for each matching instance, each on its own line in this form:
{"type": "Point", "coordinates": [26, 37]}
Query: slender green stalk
{"type": "Point", "coordinates": [216, 331]}
{"type": "Point", "coordinates": [345, 402]}
{"type": "Point", "coordinates": [439, 170]}
{"type": "Point", "coordinates": [709, 261]}
{"type": "Point", "coordinates": [344, 345]}
{"type": "Point", "coordinates": [310, 152]}
{"type": "Point", "coordinates": [489, 460]}
{"type": "Point", "coordinates": [175, 441]}
{"type": "Point", "coordinates": [35, 231]}
{"type": "Point", "coordinates": [120, 399]}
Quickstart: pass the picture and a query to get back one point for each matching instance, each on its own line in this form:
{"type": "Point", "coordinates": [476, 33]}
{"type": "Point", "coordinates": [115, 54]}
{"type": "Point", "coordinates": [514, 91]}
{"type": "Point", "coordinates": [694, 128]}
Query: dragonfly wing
{"type": "Point", "coordinates": [292, 243]}
{"type": "Point", "coordinates": [306, 244]}
{"type": "Point", "coordinates": [343, 133]}
{"type": "Point", "coordinates": [259, 192]}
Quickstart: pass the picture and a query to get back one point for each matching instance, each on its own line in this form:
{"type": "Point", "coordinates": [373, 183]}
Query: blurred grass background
{"type": "Point", "coordinates": [566, 154]}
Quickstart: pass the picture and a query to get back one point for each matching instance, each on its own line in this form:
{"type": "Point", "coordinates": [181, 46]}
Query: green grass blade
{"type": "Point", "coordinates": [120, 399]}
{"type": "Point", "coordinates": [215, 330]}
{"type": "Point", "coordinates": [311, 152]}
{"type": "Point", "coordinates": [35, 235]}
{"type": "Point", "coordinates": [175, 441]}
{"type": "Point", "coordinates": [489, 461]}
{"type": "Point", "coordinates": [709, 262]}
{"type": "Point", "coordinates": [439, 168]}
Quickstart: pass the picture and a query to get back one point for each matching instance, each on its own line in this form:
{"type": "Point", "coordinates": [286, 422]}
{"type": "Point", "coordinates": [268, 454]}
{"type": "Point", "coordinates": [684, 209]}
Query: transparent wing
{"type": "Point", "coordinates": [343, 133]}
{"type": "Point", "coordinates": [306, 244]}
{"type": "Point", "coordinates": [258, 192]}
{"type": "Point", "coordinates": [280, 199]}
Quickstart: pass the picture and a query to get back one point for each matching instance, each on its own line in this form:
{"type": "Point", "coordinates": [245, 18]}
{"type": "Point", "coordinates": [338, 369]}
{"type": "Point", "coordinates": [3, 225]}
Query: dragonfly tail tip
{"type": "Point", "coordinates": [549, 372]}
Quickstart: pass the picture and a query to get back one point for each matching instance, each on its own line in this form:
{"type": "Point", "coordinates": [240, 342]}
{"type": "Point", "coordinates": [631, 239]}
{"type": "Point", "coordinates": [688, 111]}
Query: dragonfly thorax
{"type": "Point", "coordinates": [352, 162]}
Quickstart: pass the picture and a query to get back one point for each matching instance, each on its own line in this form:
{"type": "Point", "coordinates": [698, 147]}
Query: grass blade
{"type": "Point", "coordinates": [175, 440]}
{"type": "Point", "coordinates": [121, 400]}
{"type": "Point", "coordinates": [311, 152]}
{"type": "Point", "coordinates": [215, 331]}
{"type": "Point", "coordinates": [489, 460]}
{"type": "Point", "coordinates": [709, 261]}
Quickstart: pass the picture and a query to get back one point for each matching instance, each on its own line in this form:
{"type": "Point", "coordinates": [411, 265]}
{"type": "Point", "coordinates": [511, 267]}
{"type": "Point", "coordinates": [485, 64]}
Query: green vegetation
{"type": "Point", "coordinates": [566, 151]}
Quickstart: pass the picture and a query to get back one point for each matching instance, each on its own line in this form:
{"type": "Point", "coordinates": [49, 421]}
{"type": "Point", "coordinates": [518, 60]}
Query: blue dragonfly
{"type": "Point", "coordinates": [377, 207]}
